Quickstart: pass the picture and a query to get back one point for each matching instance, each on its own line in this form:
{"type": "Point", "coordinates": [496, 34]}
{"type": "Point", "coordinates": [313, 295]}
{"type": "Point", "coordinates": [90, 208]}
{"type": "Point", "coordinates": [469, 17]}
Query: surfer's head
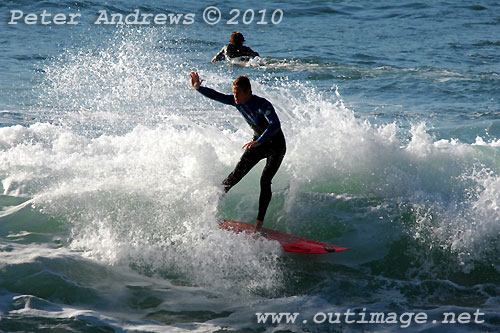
{"type": "Point", "coordinates": [237, 38]}
{"type": "Point", "coordinates": [242, 90]}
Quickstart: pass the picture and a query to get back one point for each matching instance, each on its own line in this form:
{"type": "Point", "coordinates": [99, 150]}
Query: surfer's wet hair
{"type": "Point", "coordinates": [237, 38]}
{"type": "Point", "coordinates": [242, 82]}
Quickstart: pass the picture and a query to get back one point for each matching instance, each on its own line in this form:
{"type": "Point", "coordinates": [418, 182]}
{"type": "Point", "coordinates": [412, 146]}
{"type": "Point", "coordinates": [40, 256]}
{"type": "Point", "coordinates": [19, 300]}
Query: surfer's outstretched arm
{"type": "Point", "coordinates": [210, 93]}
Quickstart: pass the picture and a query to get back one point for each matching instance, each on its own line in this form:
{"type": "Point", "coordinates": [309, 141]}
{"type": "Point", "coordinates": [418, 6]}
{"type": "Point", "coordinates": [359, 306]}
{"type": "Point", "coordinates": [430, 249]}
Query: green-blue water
{"type": "Point", "coordinates": [110, 165]}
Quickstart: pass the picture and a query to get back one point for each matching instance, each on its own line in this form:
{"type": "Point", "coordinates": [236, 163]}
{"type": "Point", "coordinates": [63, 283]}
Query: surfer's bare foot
{"type": "Point", "coordinates": [258, 225]}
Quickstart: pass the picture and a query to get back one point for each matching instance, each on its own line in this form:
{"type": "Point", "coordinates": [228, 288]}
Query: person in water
{"type": "Point", "coordinates": [235, 49]}
{"type": "Point", "coordinates": [268, 140]}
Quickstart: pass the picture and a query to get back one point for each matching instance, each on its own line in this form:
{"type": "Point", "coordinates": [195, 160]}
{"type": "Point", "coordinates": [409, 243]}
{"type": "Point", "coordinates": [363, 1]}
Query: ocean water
{"type": "Point", "coordinates": [110, 165]}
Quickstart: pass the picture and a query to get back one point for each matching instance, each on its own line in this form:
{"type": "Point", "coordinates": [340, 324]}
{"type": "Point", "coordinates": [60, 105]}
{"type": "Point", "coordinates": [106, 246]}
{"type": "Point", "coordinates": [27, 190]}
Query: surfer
{"type": "Point", "coordinates": [235, 49]}
{"type": "Point", "coordinates": [268, 140]}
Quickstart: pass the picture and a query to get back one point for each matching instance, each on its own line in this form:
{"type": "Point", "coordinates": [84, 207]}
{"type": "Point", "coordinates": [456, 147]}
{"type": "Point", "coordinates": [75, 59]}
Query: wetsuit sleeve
{"type": "Point", "coordinates": [221, 55]}
{"type": "Point", "coordinates": [269, 113]}
{"type": "Point", "coordinates": [216, 96]}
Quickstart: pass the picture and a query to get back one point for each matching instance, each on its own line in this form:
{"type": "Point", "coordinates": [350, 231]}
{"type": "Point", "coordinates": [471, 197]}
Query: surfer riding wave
{"type": "Point", "coordinates": [268, 141]}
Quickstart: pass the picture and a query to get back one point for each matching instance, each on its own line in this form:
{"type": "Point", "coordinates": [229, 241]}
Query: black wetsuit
{"type": "Point", "coordinates": [262, 118]}
{"type": "Point", "coordinates": [231, 51]}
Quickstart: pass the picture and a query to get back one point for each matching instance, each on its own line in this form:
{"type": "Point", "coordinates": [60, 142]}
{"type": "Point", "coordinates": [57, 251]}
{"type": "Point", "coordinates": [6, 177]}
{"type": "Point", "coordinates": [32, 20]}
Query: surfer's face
{"type": "Point", "coordinates": [241, 96]}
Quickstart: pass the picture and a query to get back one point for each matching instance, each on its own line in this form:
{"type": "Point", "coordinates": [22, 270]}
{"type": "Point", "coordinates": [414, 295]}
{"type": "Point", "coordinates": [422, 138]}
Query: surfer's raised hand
{"type": "Point", "coordinates": [195, 80]}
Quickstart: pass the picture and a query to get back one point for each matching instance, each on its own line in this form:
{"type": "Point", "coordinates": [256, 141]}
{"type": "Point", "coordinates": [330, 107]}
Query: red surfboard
{"type": "Point", "coordinates": [289, 243]}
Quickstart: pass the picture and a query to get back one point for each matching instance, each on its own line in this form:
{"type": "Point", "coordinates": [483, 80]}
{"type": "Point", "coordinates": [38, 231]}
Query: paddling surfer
{"type": "Point", "coordinates": [268, 141]}
{"type": "Point", "coordinates": [235, 49]}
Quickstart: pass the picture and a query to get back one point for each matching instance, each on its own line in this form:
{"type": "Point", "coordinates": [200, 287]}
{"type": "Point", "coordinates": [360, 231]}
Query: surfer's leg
{"type": "Point", "coordinates": [272, 165]}
{"type": "Point", "coordinates": [248, 160]}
